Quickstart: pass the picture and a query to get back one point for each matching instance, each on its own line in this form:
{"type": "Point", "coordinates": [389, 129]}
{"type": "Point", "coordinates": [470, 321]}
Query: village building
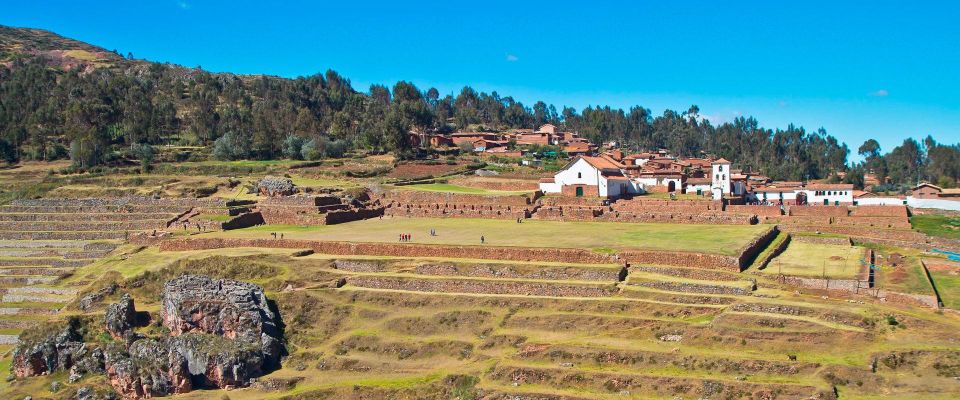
{"type": "Point", "coordinates": [698, 186]}
{"type": "Point", "coordinates": [720, 185]}
{"type": "Point", "coordinates": [930, 191]}
{"type": "Point", "coordinates": [590, 177]}
{"type": "Point", "coordinates": [795, 193]}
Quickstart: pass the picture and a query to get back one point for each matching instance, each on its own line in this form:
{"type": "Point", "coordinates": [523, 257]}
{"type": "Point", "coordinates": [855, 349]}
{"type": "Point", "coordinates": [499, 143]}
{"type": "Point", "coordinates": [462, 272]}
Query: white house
{"type": "Point", "coordinates": [669, 181]}
{"type": "Point", "coordinates": [814, 193]}
{"type": "Point", "coordinates": [721, 178]}
{"type": "Point", "coordinates": [698, 186]}
{"type": "Point", "coordinates": [588, 177]}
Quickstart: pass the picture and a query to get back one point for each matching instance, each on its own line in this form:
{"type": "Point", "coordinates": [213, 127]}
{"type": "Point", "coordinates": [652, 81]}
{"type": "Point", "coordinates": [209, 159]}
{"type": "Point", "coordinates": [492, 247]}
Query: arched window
{"type": "Point", "coordinates": [579, 175]}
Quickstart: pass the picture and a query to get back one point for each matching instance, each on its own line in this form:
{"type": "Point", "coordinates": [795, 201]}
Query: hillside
{"type": "Point", "coordinates": [64, 52]}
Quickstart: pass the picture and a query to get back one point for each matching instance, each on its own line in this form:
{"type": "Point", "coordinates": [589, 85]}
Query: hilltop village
{"type": "Point", "coordinates": [251, 237]}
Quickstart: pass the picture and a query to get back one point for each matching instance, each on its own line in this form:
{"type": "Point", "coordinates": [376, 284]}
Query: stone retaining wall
{"type": "Point", "coordinates": [840, 241]}
{"type": "Point", "coordinates": [680, 259]}
{"type": "Point", "coordinates": [690, 273]}
{"type": "Point", "coordinates": [544, 272]}
{"type": "Point", "coordinates": [82, 226]}
{"type": "Point", "coordinates": [92, 235]}
{"type": "Point", "coordinates": [577, 256]}
{"type": "Point", "coordinates": [826, 211]}
{"type": "Point", "coordinates": [880, 211]}
{"type": "Point", "coordinates": [101, 217]}
{"type": "Point", "coordinates": [752, 249]}
{"type": "Point", "coordinates": [704, 217]}
{"type": "Point", "coordinates": [874, 222]}
{"type": "Point", "coordinates": [243, 221]}
{"type": "Point", "coordinates": [418, 197]}
{"type": "Point", "coordinates": [483, 286]}
{"type": "Point", "coordinates": [691, 287]}
{"type": "Point", "coordinates": [761, 211]}
{"type": "Point", "coordinates": [558, 201]}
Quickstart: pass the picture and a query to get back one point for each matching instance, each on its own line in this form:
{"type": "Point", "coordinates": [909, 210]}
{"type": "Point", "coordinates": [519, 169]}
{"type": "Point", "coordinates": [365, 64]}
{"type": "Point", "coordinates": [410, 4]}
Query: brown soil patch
{"type": "Point", "coordinates": [897, 275]}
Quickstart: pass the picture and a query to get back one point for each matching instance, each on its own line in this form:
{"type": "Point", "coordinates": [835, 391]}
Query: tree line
{"type": "Point", "coordinates": [47, 114]}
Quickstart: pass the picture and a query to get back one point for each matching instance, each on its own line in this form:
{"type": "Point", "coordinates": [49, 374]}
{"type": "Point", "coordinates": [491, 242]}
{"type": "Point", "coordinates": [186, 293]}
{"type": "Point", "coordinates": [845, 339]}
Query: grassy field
{"type": "Point", "coordinates": [948, 285]}
{"type": "Point", "coordinates": [937, 225]}
{"type": "Point", "coordinates": [817, 260]}
{"type": "Point", "coordinates": [449, 188]}
{"type": "Point", "coordinates": [722, 239]}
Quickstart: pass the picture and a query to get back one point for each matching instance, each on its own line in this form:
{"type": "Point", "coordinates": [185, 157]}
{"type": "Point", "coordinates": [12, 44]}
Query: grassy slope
{"type": "Point", "coordinates": [722, 239]}
{"type": "Point", "coordinates": [937, 225]}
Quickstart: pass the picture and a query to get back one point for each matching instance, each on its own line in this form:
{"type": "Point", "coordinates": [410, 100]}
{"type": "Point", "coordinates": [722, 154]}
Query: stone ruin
{"type": "Point", "coordinates": [273, 186]}
{"type": "Point", "coordinates": [223, 334]}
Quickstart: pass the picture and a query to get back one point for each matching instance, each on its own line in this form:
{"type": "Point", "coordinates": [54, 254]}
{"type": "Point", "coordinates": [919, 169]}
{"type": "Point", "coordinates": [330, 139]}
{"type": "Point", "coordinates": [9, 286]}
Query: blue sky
{"type": "Point", "coordinates": [860, 69]}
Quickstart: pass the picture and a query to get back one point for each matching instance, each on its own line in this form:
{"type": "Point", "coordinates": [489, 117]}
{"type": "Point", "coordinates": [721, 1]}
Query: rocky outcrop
{"type": "Point", "coordinates": [232, 309]}
{"type": "Point", "coordinates": [46, 349]}
{"type": "Point", "coordinates": [222, 335]}
{"type": "Point", "coordinates": [275, 186]}
{"type": "Point", "coordinates": [121, 317]}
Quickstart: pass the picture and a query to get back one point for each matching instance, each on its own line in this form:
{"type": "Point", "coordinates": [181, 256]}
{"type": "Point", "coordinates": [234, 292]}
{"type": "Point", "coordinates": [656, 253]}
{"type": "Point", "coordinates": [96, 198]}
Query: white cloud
{"type": "Point", "coordinates": [512, 58]}
{"type": "Point", "coordinates": [880, 93]}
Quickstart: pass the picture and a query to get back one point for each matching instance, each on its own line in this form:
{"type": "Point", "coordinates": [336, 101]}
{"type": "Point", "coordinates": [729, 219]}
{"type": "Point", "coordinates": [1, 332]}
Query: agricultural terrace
{"type": "Point", "coordinates": [946, 276]}
{"type": "Point", "coordinates": [816, 260]}
{"type": "Point", "coordinates": [599, 236]}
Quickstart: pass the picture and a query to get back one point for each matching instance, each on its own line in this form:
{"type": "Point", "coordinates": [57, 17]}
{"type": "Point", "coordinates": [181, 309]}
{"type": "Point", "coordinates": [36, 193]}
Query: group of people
{"type": "Point", "coordinates": [406, 237]}
{"type": "Point", "coordinates": [274, 234]}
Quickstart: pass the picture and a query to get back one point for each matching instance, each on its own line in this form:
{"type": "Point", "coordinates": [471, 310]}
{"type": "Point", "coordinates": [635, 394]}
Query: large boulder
{"type": "Point", "coordinates": [275, 186]}
{"type": "Point", "coordinates": [45, 349]}
{"type": "Point", "coordinates": [121, 317]}
{"type": "Point", "coordinates": [228, 308]}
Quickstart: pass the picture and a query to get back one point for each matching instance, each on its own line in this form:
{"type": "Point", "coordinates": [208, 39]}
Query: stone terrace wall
{"type": "Point", "coordinates": [303, 201]}
{"type": "Point", "coordinates": [121, 201]}
{"type": "Point", "coordinates": [417, 197]}
{"type": "Point", "coordinates": [497, 184]}
{"type": "Point", "coordinates": [875, 222]}
{"type": "Point", "coordinates": [578, 256]}
{"type": "Point", "coordinates": [761, 211]}
{"type": "Point", "coordinates": [457, 211]}
{"type": "Point", "coordinates": [484, 286]}
{"type": "Point", "coordinates": [819, 211]}
{"type": "Point", "coordinates": [680, 259]}
{"type": "Point", "coordinates": [687, 206]}
{"type": "Point", "coordinates": [706, 217]}
{"type": "Point", "coordinates": [559, 201]}
{"type": "Point", "coordinates": [798, 220]}
{"type": "Point", "coordinates": [880, 211]}
{"type": "Point", "coordinates": [755, 247]}
{"type": "Point", "coordinates": [841, 241]}
{"type": "Point", "coordinates": [568, 213]}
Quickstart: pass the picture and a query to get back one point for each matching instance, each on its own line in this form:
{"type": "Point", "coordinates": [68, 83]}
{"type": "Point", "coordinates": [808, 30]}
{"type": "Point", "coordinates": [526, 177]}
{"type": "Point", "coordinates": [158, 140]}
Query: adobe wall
{"type": "Point", "coordinates": [761, 211]}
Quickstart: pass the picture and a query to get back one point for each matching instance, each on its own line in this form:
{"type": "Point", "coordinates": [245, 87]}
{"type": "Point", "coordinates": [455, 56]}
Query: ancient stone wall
{"type": "Point", "coordinates": [484, 286]}
{"type": "Point", "coordinates": [558, 201]}
{"type": "Point", "coordinates": [841, 241]}
{"type": "Point", "coordinates": [880, 211]}
{"type": "Point", "coordinates": [680, 259]}
{"type": "Point", "coordinates": [497, 184]}
{"type": "Point", "coordinates": [578, 256]}
{"type": "Point", "coordinates": [418, 197]}
{"type": "Point", "coordinates": [666, 216]}
{"type": "Point", "coordinates": [687, 206]}
{"type": "Point", "coordinates": [819, 211]}
{"type": "Point", "coordinates": [243, 221]}
{"type": "Point", "coordinates": [874, 222]}
{"type": "Point", "coordinates": [755, 247]}
{"type": "Point", "coordinates": [762, 211]}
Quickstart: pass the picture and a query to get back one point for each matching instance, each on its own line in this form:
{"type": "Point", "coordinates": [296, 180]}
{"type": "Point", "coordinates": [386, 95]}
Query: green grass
{"type": "Point", "coordinates": [817, 260]}
{"type": "Point", "coordinates": [937, 225]}
{"type": "Point", "coordinates": [321, 182]}
{"type": "Point", "coordinates": [603, 236]}
{"type": "Point", "coordinates": [948, 285]}
{"type": "Point", "coordinates": [449, 188]}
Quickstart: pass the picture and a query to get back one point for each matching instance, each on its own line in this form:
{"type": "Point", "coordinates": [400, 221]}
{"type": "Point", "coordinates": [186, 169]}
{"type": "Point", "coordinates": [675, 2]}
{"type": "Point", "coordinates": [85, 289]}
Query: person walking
{"type": "Point", "coordinates": [482, 239]}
